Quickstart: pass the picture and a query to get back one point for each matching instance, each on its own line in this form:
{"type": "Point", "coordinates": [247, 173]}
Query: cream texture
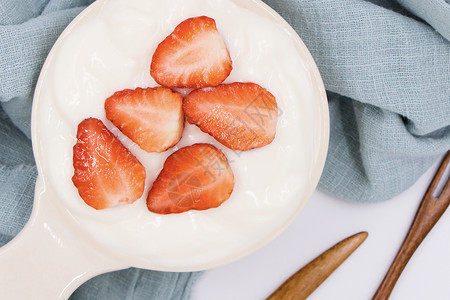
{"type": "Point", "coordinates": [110, 49]}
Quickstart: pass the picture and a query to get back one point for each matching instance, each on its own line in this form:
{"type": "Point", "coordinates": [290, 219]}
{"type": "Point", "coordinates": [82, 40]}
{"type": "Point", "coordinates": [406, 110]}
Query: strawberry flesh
{"type": "Point", "coordinates": [106, 173]}
{"type": "Point", "coordinates": [241, 116]}
{"type": "Point", "coordinates": [194, 55]}
{"type": "Point", "coordinates": [152, 118]}
{"type": "Point", "coordinates": [195, 177]}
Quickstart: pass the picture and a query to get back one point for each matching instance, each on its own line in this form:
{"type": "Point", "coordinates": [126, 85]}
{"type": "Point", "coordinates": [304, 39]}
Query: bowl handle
{"type": "Point", "coordinates": [50, 258]}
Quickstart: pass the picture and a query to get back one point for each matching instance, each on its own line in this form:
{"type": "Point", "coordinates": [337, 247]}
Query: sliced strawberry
{"type": "Point", "coordinates": [194, 177]}
{"type": "Point", "coordinates": [152, 117]}
{"type": "Point", "coordinates": [106, 173]}
{"type": "Point", "coordinates": [194, 55]}
{"type": "Point", "coordinates": [242, 116]}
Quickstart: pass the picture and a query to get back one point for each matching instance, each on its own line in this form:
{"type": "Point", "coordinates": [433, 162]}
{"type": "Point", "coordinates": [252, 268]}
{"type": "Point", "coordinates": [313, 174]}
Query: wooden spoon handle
{"type": "Point", "coordinates": [429, 212]}
{"type": "Point", "coordinates": [306, 280]}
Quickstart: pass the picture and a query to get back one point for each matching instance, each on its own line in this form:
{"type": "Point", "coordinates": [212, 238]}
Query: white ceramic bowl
{"type": "Point", "coordinates": [70, 242]}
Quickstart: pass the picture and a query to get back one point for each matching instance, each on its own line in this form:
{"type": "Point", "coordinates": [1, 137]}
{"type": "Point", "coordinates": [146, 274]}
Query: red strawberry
{"type": "Point", "coordinates": [194, 177]}
{"type": "Point", "coordinates": [194, 55]}
{"type": "Point", "coordinates": [106, 173]}
{"type": "Point", "coordinates": [152, 117]}
{"type": "Point", "coordinates": [242, 116]}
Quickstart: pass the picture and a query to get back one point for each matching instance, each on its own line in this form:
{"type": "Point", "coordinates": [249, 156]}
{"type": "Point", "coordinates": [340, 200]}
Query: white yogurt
{"type": "Point", "coordinates": [110, 49]}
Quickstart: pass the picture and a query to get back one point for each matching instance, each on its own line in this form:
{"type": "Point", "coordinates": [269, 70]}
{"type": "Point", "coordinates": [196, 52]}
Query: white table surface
{"type": "Point", "coordinates": [325, 221]}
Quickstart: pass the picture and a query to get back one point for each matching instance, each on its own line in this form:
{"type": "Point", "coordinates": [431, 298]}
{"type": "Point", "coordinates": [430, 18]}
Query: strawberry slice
{"type": "Point", "coordinates": [194, 177]}
{"type": "Point", "coordinates": [194, 55]}
{"type": "Point", "coordinates": [106, 173]}
{"type": "Point", "coordinates": [152, 118]}
{"type": "Point", "coordinates": [241, 116]}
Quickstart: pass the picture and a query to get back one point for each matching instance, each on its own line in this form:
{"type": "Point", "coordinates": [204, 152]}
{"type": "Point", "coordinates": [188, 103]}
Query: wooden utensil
{"type": "Point", "coordinates": [430, 210]}
{"type": "Point", "coordinates": [306, 280]}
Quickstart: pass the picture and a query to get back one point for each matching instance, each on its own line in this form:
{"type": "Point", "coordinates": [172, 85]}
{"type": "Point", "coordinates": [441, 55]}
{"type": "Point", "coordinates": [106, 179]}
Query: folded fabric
{"type": "Point", "coordinates": [387, 73]}
{"type": "Point", "coordinates": [385, 65]}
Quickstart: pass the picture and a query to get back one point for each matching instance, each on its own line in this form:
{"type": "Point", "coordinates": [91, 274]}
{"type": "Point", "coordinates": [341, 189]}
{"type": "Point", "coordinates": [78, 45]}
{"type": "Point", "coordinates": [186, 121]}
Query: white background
{"type": "Point", "coordinates": [327, 220]}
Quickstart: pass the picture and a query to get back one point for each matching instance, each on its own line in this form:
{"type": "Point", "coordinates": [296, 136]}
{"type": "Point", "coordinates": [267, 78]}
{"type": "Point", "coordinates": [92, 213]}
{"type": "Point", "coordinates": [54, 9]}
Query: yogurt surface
{"type": "Point", "coordinates": [110, 49]}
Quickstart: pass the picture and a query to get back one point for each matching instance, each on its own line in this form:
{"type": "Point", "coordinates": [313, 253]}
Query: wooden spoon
{"type": "Point", "coordinates": [306, 280]}
{"type": "Point", "coordinates": [430, 210]}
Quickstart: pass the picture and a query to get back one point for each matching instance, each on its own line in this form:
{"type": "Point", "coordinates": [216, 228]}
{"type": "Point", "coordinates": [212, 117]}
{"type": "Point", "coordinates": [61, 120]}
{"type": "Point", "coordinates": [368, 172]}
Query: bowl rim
{"type": "Point", "coordinates": [321, 139]}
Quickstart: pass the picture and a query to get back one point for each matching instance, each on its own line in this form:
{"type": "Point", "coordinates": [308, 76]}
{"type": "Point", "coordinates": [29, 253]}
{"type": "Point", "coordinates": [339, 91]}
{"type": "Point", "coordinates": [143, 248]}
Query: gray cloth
{"type": "Point", "coordinates": [387, 73]}
{"type": "Point", "coordinates": [385, 65]}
